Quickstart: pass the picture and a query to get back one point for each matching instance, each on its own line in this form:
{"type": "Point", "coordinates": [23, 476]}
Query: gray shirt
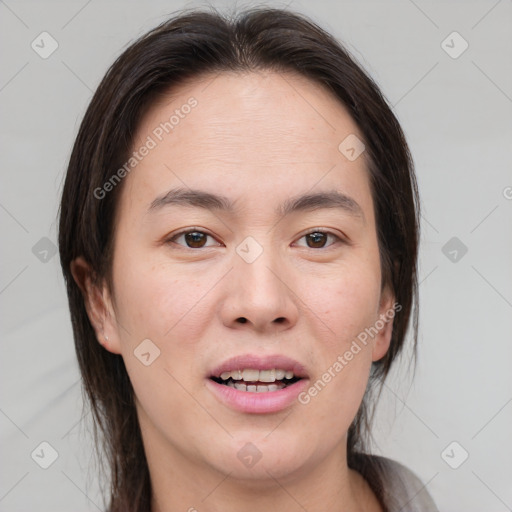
{"type": "Point", "coordinates": [403, 490]}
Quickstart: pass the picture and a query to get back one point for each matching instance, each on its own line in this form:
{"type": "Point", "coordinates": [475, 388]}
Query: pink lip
{"type": "Point", "coordinates": [279, 362]}
{"type": "Point", "coordinates": [257, 403]}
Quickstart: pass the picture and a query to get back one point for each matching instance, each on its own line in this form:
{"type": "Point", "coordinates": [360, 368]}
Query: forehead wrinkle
{"type": "Point", "coordinates": [282, 147]}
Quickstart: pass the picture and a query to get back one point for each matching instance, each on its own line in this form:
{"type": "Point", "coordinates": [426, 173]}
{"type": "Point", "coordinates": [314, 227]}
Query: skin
{"type": "Point", "coordinates": [257, 138]}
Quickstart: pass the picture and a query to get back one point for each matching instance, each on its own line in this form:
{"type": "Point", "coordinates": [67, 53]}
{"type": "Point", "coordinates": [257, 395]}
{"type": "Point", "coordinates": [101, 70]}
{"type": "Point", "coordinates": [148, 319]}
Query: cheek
{"type": "Point", "coordinates": [345, 303]}
{"type": "Point", "coordinates": [345, 306]}
{"type": "Point", "coordinates": [159, 304]}
{"type": "Point", "coordinates": [171, 308]}
{"type": "Point", "coordinates": [157, 301]}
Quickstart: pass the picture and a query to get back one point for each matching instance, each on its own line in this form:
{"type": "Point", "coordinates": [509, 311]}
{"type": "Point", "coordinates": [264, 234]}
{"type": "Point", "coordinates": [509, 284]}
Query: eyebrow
{"type": "Point", "coordinates": [306, 202]}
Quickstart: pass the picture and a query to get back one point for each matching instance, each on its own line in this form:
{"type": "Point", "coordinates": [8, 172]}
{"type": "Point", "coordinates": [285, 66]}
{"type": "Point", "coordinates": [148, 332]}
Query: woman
{"type": "Point", "coordinates": [238, 234]}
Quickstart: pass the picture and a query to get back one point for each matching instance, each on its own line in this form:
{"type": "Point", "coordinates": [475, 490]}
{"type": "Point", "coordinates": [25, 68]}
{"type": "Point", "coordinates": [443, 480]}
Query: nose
{"type": "Point", "coordinates": [260, 295]}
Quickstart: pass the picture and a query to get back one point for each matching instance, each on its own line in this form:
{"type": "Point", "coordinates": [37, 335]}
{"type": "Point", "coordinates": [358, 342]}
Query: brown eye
{"type": "Point", "coordinates": [318, 239]}
{"type": "Point", "coordinates": [193, 239]}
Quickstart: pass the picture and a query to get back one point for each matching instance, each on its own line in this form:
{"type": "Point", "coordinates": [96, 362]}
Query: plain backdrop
{"type": "Point", "coordinates": [451, 424]}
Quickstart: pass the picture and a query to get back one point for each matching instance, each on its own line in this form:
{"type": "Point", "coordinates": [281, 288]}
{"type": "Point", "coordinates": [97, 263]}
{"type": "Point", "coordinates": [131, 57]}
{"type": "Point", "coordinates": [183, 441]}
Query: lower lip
{"type": "Point", "coordinates": [259, 403]}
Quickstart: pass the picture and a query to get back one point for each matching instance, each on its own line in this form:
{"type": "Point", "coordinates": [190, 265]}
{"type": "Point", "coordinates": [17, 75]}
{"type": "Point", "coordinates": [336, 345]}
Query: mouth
{"type": "Point", "coordinates": [253, 380]}
{"type": "Point", "coordinates": [255, 384]}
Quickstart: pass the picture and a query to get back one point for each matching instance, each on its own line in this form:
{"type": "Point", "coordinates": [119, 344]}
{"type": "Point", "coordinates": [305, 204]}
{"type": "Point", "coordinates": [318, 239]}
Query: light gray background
{"type": "Point", "coordinates": [457, 116]}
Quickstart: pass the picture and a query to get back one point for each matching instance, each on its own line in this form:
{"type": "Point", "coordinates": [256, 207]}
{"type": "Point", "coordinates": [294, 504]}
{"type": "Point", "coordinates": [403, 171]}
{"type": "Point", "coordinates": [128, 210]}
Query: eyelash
{"type": "Point", "coordinates": [192, 230]}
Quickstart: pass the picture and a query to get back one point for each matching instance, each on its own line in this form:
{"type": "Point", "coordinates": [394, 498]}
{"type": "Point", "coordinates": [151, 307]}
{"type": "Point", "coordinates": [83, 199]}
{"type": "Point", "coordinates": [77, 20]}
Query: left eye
{"type": "Point", "coordinates": [318, 239]}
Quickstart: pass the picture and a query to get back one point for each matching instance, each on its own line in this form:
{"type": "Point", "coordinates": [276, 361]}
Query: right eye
{"type": "Point", "coordinates": [193, 238]}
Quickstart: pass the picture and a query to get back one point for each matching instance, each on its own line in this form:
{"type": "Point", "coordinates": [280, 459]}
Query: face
{"type": "Point", "coordinates": [259, 275]}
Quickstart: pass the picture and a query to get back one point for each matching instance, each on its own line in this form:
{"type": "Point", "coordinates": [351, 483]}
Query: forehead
{"type": "Point", "coordinates": [279, 110]}
{"type": "Point", "coordinates": [263, 133]}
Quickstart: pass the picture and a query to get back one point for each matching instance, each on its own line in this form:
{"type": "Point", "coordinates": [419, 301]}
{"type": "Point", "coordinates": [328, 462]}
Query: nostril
{"type": "Point", "coordinates": [279, 320]}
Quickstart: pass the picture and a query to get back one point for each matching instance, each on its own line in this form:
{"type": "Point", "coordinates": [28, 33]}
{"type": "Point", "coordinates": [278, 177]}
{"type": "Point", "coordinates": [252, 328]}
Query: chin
{"type": "Point", "coordinates": [253, 461]}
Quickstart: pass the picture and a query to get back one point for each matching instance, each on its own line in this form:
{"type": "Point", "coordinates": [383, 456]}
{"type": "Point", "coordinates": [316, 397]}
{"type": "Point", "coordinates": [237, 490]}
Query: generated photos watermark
{"type": "Point", "coordinates": [343, 359]}
{"type": "Point", "coordinates": [157, 135]}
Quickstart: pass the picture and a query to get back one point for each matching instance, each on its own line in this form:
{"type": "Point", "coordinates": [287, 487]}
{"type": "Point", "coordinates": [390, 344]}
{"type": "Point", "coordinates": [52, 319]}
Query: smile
{"type": "Point", "coordinates": [254, 384]}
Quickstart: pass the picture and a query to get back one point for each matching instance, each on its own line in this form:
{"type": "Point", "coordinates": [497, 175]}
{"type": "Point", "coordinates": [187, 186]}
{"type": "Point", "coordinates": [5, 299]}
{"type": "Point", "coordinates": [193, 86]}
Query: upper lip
{"type": "Point", "coordinates": [246, 361]}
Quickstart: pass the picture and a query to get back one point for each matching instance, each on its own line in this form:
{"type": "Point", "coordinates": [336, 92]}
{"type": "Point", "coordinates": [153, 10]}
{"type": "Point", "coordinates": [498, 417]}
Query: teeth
{"type": "Point", "coordinates": [280, 374]}
{"type": "Point", "coordinates": [267, 376]}
{"type": "Point", "coordinates": [252, 375]}
{"type": "Point", "coordinates": [255, 388]}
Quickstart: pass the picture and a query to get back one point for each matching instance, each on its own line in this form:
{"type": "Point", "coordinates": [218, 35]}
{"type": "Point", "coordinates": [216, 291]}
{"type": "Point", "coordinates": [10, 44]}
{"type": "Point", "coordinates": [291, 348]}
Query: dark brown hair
{"type": "Point", "coordinates": [190, 44]}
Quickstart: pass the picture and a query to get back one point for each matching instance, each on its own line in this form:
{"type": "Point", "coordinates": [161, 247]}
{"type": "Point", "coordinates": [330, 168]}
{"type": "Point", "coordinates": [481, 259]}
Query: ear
{"type": "Point", "coordinates": [384, 323]}
{"type": "Point", "coordinates": [97, 304]}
